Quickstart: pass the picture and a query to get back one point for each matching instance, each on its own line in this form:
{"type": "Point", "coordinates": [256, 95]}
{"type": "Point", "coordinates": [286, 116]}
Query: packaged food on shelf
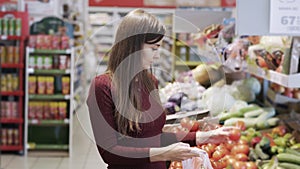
{"type": "Point", "coordinates": [32, 84]}
{"type": "Point", "coordinates": [65, 85]}
{"type": "Point", "coordinates": [41, 85]}
{"type": "Point", "coordinates": [50, 85]}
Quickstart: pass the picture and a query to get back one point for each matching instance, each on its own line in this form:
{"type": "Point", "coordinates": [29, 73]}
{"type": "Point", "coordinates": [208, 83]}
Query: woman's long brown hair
{"type": "Point", "coordinates": [125, 67]}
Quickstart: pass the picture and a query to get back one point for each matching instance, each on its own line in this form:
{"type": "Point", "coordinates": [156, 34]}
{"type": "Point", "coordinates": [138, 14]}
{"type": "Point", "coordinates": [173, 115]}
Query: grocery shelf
{"type": "Point", "coordinates": [48, 71]}
{"type": "Point", "coordinates": [12, 93]}
{"type": "Point", "coordinates": [9, 37]}
{"type": "Point", "coordinates": [290, 81]}
{"type": "Point", "coordinates": [48, 146]}
{"type": "Point", "coordinates": [11, 120]}
{"type": "Point", "coordinates": [11, 147]}
{"type": "Point", "coordinates": [48, 122]}
{"type": "Point", "coordinates": [48, 51]}
{"type": "Point", "coordinates": [49, 96]}
{"type": "Point", "coordinates": [12, 65]}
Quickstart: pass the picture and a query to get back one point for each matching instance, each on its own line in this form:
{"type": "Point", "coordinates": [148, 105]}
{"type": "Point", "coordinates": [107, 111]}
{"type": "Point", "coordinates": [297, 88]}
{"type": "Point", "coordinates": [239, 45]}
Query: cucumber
{"type": "Point", "coordinates": [249, 122]}
{"type": "Point", "coordinates": [260, 153]}
{"type": "Point", "coordinates": [240, 113]}
{"type": "Point", "coordinates": [289, 166]}
{"type": "Point", "coordinates": [273, 121]}
{"type": "Point", "coordinates": [290, 158]}
{"type": "Point", "coordinates": [253, 113]}
{"type": "Point", "coordinates": [292, 151]}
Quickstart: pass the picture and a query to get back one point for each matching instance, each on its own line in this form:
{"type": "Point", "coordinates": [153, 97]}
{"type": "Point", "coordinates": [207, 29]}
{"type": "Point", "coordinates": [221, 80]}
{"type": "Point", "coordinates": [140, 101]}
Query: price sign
{"type": "Point", "coordinates": [285, 16]}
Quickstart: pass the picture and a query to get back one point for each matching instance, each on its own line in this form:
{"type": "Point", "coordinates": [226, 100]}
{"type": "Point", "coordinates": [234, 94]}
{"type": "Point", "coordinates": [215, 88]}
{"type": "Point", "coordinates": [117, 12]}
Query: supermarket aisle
{"type": "Point", "coordinates": [84, 155]}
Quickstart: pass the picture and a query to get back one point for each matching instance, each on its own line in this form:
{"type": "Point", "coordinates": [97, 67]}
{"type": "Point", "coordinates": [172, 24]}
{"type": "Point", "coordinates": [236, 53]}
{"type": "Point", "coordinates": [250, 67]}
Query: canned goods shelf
{"type": "Point", "coordinates": [7, 120]}
{"type": "Point", "coordinates": [50, 96]}
{"type": "Point", "coordinates": [11, 148]}
{"type": "Point", "coordinates": [13, 65]}
{"type": "Point", "coordinates": [49, 51]}
{"type": "Point", "coordinates": [50, 72]}
{"type": "Point", "coordinates": [12, 37]}
{"type": "Point", "coordinates": [14, 93]}
{"type": "Point", "coordinates": [48, 122]}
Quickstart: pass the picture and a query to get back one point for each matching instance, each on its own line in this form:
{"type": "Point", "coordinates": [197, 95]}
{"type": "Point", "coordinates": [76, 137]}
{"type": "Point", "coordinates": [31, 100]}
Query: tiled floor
{"type": "Point", "coordinates": [84, 154]}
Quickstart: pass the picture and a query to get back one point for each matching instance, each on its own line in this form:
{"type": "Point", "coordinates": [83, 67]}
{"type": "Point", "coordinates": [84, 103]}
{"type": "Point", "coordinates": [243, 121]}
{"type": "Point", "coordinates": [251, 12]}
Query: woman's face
{"type": "Point", "coordinates": [150, 53]}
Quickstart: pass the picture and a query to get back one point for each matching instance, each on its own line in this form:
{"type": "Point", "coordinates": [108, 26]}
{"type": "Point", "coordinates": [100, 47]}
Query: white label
{"type": "Point", "coordinates": [285, 16]}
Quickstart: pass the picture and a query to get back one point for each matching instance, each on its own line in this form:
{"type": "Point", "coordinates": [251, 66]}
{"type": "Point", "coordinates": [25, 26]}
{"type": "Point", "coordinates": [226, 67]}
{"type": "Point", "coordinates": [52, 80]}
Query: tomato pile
{"type": "Point", "coordinates": [232, 154]}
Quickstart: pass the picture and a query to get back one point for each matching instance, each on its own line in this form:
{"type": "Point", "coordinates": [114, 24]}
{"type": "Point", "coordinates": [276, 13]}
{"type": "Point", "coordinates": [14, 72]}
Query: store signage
{"type": "Point", "coordinates": [285, 17]}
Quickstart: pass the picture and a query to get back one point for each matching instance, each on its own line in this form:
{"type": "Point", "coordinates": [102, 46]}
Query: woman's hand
{"type": "Point", "coordinates": [174, 152]}
{"type": "Point", "coordinates": [213, 136]}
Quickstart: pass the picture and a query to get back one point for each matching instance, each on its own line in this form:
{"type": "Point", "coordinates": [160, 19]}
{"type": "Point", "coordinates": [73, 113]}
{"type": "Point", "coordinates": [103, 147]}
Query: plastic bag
{"type": "Point", "coordinates": [201, 162]}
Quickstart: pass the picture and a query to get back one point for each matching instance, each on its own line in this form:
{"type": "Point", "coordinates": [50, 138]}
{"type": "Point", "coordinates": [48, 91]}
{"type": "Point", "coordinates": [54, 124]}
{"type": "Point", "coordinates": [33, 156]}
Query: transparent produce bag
{"type": "Point", "coordinates": [201, 162]}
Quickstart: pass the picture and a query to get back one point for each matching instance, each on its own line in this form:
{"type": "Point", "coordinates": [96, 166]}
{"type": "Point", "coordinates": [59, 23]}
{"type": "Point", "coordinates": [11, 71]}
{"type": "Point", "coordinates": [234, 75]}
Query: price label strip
{"type": "Point", "coordinates": [285, 17]}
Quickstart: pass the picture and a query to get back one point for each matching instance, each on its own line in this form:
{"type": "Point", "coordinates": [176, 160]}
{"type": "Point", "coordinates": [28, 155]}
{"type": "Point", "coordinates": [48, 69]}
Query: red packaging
{"type": "Point", "coordinates": [228, 3]}
{"type": "Point", "coordinates": [47, 111]}
{"type": "Point", "coordinates": [31, 110]}
{"type": "Point", "coordinates": [39, 111]}
{"type": "Point", "coordinates": [3, 109]}
{"type": "Point", "coordinates": [8, 110]}
{"type": "Point", "coordinates": [62, 62]}
{"type": "Point", "coordinates": [10, 137]}
{"type": "Point", "coordinates": [47, 42]}
{"type": "Point", "coordinates": [16, 136]}
{"type": "Point", "coordinates": [40, 42]}
{"type": "Point", "coordinates": [32, 41]}
{"type": "Point", "coordinates": [56, 42]}
{"type": "Point", "coordinates": [64, 42]}
{"type": "Point", "coordinates": [4, 136]}
{"type": "Point", "coordinates": [14, 108]}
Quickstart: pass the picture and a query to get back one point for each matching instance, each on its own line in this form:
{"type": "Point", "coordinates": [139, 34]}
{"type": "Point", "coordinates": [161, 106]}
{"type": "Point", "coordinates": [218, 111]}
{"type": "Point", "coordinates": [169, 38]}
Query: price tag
{"type": "Point", "coordinates": [285, 16]}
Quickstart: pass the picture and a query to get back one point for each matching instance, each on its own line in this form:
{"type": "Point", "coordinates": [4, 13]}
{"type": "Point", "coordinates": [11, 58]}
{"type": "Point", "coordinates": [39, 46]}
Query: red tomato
{"type": "Point", "coordinates": [240, 125]}
{"type": "Point", "coordinates": [211, 146]}
{"type": "Point", "coordinates": [194, 125]}
{"type": "Point", "coordinates": [230, 144]}
{"type": "Point", "coordinates": [234, 134]}
{"type": "Point", "coordinates": [231, 160]}
{"type": "Point", "coordinates": [208, 151]}
{"type": "Point", "coordinates": [184, 122]}
{"type": "Point", "coordinates": [279, 130]}
{"type": "Point", "coordinates": [243, 142]}
{"type": "Point", "coordinates": [251, 165]}
{"type": "Point", "coordinates": [218, 154]}
{"type": "Point", "coordinates": [240, 149]}
{"type": "Point", "coordinates": [219, 164]}
{"type": "Point", "coordinates": [178, 164]}
{"type": "Point", "coordinates": [241, 157]}
{"type": "Point", "coordinates": [239, 165]}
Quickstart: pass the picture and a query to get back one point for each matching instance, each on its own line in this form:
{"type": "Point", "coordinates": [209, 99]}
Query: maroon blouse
{"type": "Point", "coordinates": [130, 152]}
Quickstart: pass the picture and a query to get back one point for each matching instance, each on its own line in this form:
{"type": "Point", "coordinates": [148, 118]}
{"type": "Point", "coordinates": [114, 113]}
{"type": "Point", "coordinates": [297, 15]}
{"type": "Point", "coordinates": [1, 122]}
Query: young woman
{"type": "Point", "coordinates": [125, 111]}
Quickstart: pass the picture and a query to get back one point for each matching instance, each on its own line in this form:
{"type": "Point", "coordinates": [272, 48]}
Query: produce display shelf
{"type": "Point", "coordinates": [11, 147]}
{"type": "Point", "coordinates": [290, 81]}
{"type": "Point", "coordinates": [46, 97]}
{"type": "Point", "coordinates": [11, 120]}
{"type": "Point", "coordinates": [12, 65]}
{"type": "Point", "coordinates": [48, 122]}
{"type": "Point", "coordinates": [47, 51]}
{"type": "Point", "coordinates": [180, 115]}
{"type": "Point", "coordinates": [51, 71]}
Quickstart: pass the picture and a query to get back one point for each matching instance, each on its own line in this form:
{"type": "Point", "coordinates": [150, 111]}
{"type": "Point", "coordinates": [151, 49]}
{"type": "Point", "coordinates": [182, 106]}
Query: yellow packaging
{"type": "Point", "coordinates": [50, 85]}
{"type": "Point", "coordinates": [65, 85]}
